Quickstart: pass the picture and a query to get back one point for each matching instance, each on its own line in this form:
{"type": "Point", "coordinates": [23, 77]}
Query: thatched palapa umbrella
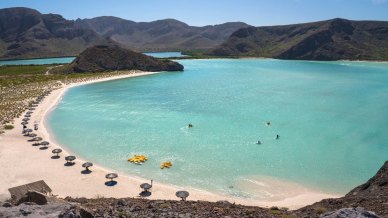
{"type": "Point", "coordinates": [37, 139]}
{"type": "Point", "coordinates": [146, 186]}
{"type": "Point", "coordinates": [45, 143]}
{"type": "Point", "coordinates": [111, 176]}
{"type": "Point", "coordinates": [87, 165]}
{"type": "Point", "coordinates": [70, 158]}
{"type": "Point", "coordinates": [56, 151]}
{"type": "Point", "coordinates": [182, 194]}
{"type": "Point", "coordinates": [26, 119]}
{"type": "Point", "coordinates": [27, 131]}
{"type": "Point", "coordinates": [27, 115]}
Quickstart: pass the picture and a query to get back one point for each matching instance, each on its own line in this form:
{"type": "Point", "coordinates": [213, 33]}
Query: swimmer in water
{"type": "Point", "coordinates": [190, 125]}
{"type": "Point", "coordinates": [258, 142]}
{"type": "Point", "coordinates": [277, 137]}
{"type": "Point", "coordinates": [268, 123]}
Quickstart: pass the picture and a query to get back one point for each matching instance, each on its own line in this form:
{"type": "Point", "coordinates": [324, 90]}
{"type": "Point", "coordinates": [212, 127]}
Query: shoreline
{"type": "Point", "coordinates": [34, 164]}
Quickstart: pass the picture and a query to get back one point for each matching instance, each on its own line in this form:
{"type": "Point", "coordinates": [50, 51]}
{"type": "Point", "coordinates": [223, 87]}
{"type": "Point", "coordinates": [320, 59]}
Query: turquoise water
{"type": "Point", "coordinates": [331, 118]}
{"type": "Point", "coordinates": [39, 61]}
{"type": "Point", "coordinates": [165, 54]}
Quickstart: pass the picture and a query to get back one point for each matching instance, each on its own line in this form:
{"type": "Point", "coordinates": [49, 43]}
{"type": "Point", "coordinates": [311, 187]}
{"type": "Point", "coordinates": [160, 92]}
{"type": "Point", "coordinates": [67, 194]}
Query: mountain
{"type": "Point", "coordinates": [325, 40]}
{"type": "Point", "coordinates": [160, 35]}
{"type": "Point", "coordinates": [26, 33]}
{"type": "Point", "coordinates": [102, 58]}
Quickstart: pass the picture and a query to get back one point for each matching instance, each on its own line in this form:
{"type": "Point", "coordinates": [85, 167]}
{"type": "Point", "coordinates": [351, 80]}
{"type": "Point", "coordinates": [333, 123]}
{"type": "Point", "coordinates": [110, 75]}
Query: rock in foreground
{"type": "Point", "coordinates": [112, 57]}
{"type": "Point", "coordinates": [368, 200]}
{"type": "Point", "coordinates": [372, 196]}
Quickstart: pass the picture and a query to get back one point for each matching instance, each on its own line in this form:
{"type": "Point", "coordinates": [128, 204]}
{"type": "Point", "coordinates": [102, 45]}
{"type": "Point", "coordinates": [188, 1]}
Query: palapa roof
{"type": "Point", "coordinates": [20, 191]}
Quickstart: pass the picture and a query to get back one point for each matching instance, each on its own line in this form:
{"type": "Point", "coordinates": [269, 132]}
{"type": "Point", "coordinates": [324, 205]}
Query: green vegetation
{"type": "Point", "coordinates": [11, 76]}
{"type": "Point", "coordinates": [8, 127]}
{"type": "Point", "coordinates": [320, 210]}
{"type": "Point", "coordinates": [20, 85]}
{"type": "Point", "coordinates": [23, 69]}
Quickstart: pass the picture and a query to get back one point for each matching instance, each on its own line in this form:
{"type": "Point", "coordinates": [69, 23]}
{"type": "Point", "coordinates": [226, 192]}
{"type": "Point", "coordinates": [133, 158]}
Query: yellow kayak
{"type": "Point", "coordinates": [167, 164]}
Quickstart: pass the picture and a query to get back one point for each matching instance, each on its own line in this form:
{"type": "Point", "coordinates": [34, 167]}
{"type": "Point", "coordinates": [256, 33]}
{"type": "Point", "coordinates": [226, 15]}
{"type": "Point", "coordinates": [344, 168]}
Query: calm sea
{"type": "Point", "coordinates": [331, 118]}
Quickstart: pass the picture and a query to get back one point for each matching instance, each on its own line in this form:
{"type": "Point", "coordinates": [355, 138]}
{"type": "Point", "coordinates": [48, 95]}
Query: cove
{"type": "Point", "coordinates": [330, 116]}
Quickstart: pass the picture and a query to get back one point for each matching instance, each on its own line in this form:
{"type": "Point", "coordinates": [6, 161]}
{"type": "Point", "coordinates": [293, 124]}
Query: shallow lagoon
{"type": "Point", "coordinates": [331, 118]}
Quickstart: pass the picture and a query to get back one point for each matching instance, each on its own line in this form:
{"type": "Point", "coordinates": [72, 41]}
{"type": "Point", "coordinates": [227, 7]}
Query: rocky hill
{"type": "Point", "coordinates": [160, 35]}
{"type": "Point", "coordinates": [368, 200]}
{"type": "Point", "coordinates": [325, 40]}
{"type": "Point", "coordinates": [111, 57]}
{"type": "Point", "coordinates": [26, 33]}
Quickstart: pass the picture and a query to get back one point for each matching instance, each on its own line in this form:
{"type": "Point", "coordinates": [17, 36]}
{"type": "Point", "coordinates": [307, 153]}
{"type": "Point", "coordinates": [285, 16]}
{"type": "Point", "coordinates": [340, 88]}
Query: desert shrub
{"type": "Point", "coordinates": [320, 210]}
{"type": "Point", "coordinates": [8, 127]}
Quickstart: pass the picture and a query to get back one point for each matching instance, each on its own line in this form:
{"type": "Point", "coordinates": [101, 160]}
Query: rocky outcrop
{"type": "Point", "coordinates": [131, 207]}
{"type": "Point", "coordinates": [112, 57]}
{"type": "Point", "coordinates": [377, 186]}
{"type": "Point", "coordinates": [51, 210]}
{"type": "Point", "coordinates": [357, 212]}
{"type": "Point", "coordinates": [325, 40]}
{"type": "Point", "coordinates": [35, 197]}
{"type": "Point", "coordinates": [373, 196]}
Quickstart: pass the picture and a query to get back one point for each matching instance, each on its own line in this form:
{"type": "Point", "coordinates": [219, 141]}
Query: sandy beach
{"type": "Point", "coordinates": [23, 163]}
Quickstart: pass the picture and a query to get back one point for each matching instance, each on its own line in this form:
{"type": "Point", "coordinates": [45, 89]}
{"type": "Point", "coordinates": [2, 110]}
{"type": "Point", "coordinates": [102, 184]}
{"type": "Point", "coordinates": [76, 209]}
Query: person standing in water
{"type": "Point", "coordinates": [277, 137]}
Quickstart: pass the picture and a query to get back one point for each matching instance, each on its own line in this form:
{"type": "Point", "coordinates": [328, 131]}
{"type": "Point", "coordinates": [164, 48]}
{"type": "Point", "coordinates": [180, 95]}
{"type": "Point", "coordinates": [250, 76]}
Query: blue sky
{"type": "Point", "coordinates": [203, 12]}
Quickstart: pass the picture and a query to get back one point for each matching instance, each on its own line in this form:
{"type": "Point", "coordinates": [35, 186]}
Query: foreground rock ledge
{"type": "Point", "coordinates": [367, 200]}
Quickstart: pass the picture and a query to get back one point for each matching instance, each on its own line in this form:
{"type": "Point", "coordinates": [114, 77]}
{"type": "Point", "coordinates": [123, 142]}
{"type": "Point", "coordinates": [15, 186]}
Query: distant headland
{"type": "Point", "coordinates": [111, 57]}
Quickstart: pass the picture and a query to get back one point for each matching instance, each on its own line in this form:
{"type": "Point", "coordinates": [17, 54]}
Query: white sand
{"type": "Point", "coordinates": [23, 163]}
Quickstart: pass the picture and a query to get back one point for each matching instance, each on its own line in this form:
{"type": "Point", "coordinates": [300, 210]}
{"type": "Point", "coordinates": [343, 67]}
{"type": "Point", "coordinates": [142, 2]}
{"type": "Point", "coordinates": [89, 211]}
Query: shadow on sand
{"type": "Point", "coordinates": [43, 148]}
{"type": "Point", "coordinates": [111, 183]}
{"type": "Point", "coordinates": [55, 157]}
{"type": "Point", "coordinates": [86, 172]}
{"type": "Point", "coordinates": [145, 194]}
{"type": "Point", "coordinates": [69, 164]}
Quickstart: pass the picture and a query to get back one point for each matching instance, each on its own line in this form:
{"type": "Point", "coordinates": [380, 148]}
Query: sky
{"type": "Point", "coordinates": [210, 12]}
